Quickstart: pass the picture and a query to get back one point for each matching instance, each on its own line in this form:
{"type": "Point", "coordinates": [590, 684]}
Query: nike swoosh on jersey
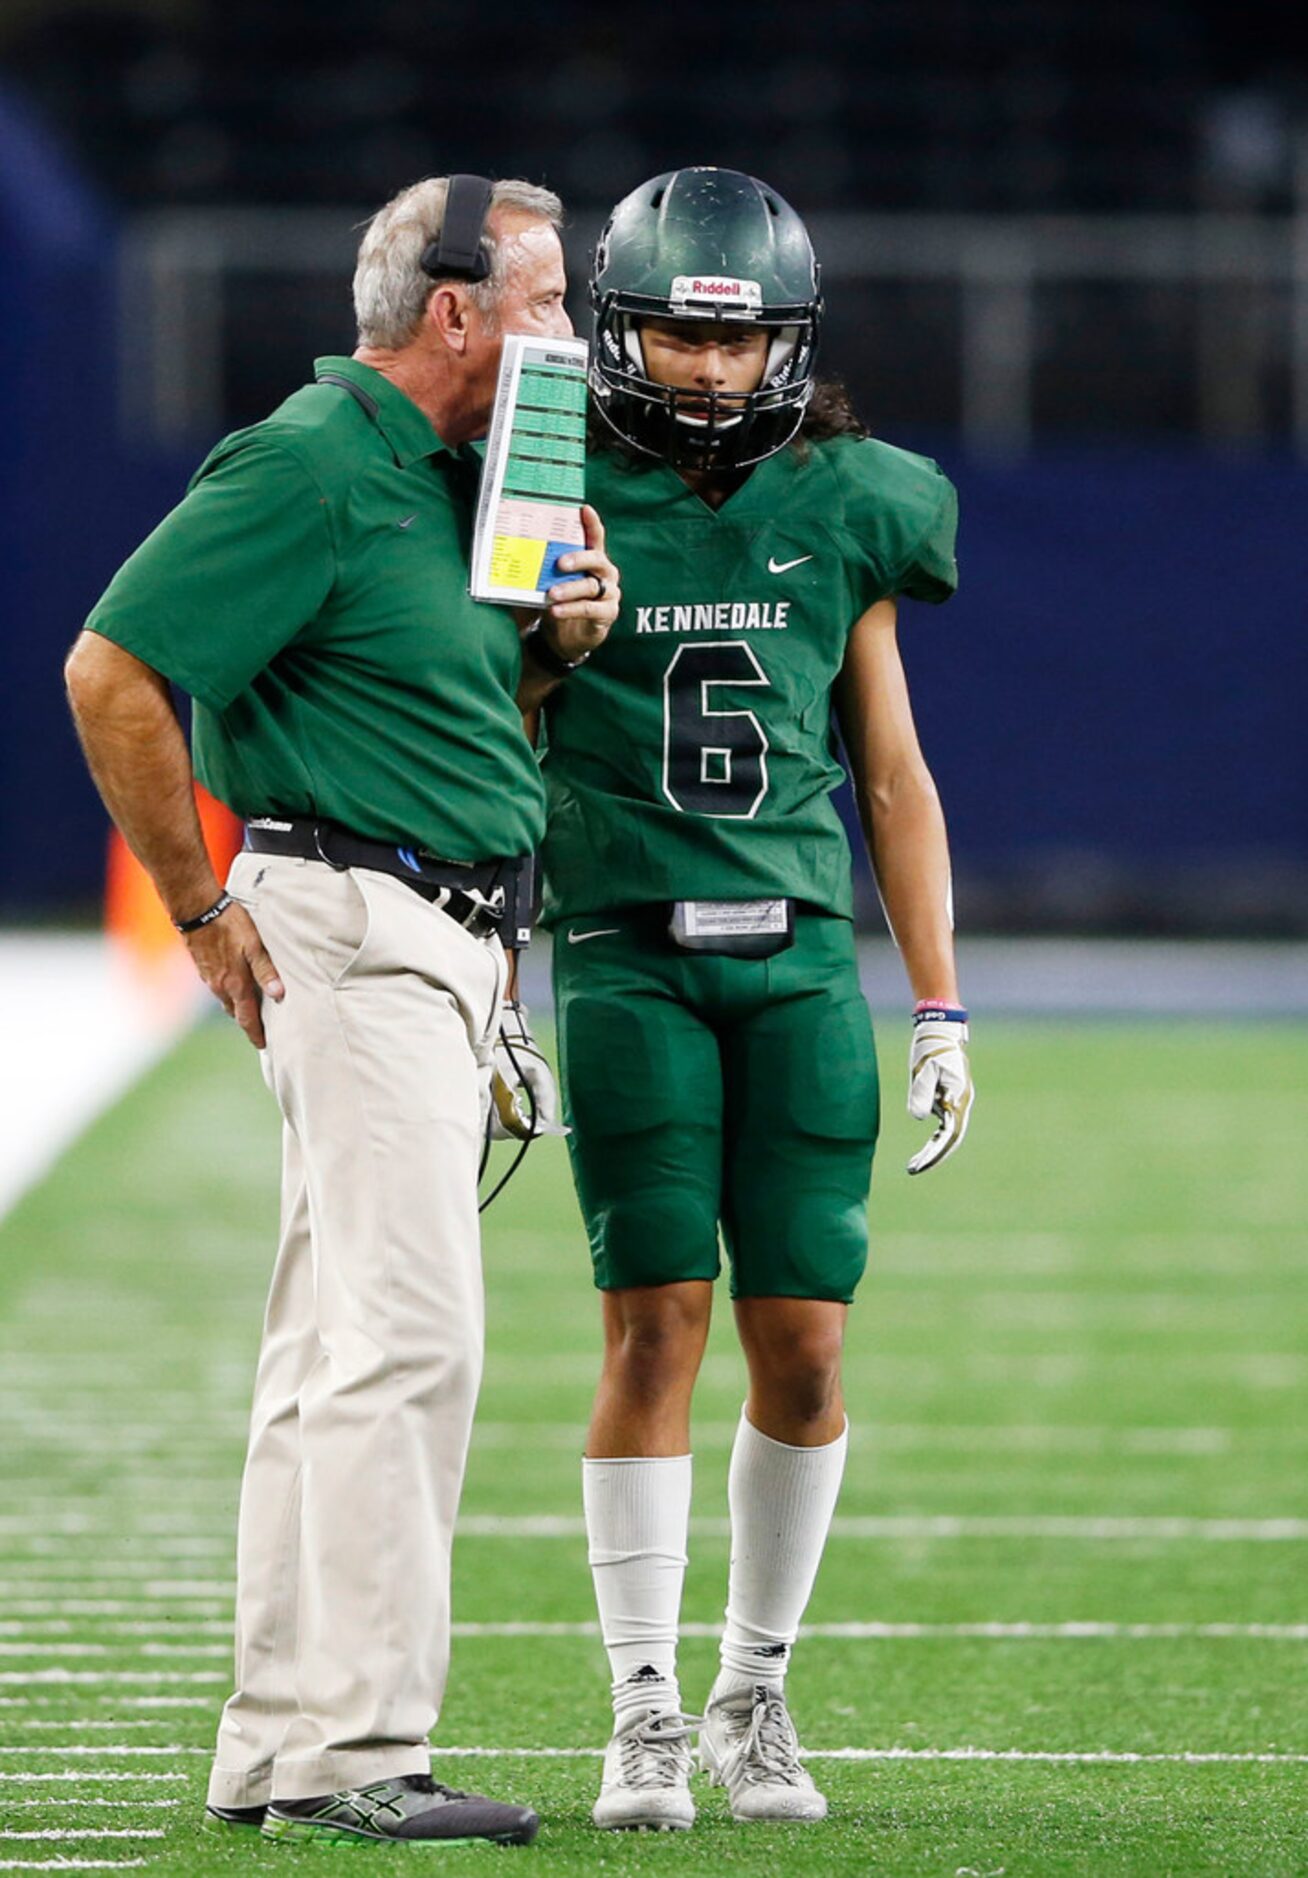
{"type": "Point", "coordinates": [784, 567]}
{"type": "Point", "coordinates": [407, 522]}
{"type": "Point", "coordinates": [600, 932]}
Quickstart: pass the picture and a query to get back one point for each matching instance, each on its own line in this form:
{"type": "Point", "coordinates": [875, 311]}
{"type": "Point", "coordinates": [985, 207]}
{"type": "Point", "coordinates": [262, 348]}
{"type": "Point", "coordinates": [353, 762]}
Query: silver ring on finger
{"type": "Point", "coordinates": [601, 586]}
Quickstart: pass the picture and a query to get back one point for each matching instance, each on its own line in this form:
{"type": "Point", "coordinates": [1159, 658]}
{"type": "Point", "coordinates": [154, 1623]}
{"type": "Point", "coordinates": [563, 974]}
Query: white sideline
{"type": "Point", "coordinates": [79, 1030]}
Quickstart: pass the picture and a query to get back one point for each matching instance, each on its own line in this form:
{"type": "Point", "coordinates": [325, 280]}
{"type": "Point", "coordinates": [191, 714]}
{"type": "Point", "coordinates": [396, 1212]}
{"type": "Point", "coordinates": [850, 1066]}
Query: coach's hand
{"type": "Point", "coordinates": [230, 957]}
{"type": "Point", "coordinates": [524, 1100]}
{"type": "Point", "coordinates": [581, 609]}
{"type": "Point", "coordinates": [939, 1081]}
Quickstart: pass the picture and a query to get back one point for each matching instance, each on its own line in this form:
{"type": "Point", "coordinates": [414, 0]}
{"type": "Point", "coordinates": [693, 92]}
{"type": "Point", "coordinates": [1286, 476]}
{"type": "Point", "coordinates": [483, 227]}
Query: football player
{"type": "Point", "coordinates": [718, 1064]}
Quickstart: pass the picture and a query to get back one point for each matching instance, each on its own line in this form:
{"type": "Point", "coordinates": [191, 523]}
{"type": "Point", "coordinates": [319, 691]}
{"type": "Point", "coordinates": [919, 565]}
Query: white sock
{"type": "Point", "coordinates": [781, 1501]}
{"type": "Point", "coordinates": [637, 1513]}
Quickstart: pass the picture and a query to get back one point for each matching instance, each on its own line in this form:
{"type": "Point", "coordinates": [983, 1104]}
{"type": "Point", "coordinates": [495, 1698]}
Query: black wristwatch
{"type": "Point", "coordinates": [535, 642]}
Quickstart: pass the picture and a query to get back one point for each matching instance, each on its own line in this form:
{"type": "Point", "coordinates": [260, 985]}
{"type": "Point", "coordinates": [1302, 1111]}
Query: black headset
{"type": "Point", "coordinates": [459, 252]}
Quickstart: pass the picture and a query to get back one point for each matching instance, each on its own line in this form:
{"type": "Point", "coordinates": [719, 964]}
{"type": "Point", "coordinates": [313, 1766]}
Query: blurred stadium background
{"type": "Point", "coordinates": [1065, 250]}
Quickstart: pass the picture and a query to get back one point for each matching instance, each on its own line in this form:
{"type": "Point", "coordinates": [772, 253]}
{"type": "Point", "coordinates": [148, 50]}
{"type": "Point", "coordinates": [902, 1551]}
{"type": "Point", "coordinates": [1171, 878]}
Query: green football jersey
{"type": "Point", "coordinates": [693, 757]}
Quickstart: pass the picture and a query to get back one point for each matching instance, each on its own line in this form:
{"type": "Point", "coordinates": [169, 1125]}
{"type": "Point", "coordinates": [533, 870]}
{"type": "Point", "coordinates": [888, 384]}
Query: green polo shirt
{"type": "Point", "coordinates": [310, 592]}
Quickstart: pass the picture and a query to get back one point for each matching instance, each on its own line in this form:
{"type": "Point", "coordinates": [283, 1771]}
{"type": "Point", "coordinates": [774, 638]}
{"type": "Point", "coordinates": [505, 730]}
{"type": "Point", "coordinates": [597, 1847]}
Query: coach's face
{"type": "Point", "coordinates": [530, 301]}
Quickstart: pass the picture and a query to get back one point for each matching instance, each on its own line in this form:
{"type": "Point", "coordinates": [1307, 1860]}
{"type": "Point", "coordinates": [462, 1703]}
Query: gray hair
{"type": "Point", "coordinates": [390, 289]}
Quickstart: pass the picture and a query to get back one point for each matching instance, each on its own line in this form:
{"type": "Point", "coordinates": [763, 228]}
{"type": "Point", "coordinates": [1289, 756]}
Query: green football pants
{"type": "Point", "coordinates": [705, 1090]}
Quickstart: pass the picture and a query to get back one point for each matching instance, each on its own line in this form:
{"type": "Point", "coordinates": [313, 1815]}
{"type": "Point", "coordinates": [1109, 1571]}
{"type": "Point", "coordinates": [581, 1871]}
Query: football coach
{"type": "Point", "coordinates": [364, 716]}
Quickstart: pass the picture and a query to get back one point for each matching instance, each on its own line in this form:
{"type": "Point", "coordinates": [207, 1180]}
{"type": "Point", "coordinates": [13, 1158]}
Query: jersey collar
{"type": "Point", "coordinates": [409, 433]}
{"type": "Point", "coordinates": [759, 494]}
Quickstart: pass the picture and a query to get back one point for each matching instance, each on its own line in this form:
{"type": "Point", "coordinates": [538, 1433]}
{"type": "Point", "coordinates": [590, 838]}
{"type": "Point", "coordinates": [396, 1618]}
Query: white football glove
{"type": "Point", "coordinates": [939, 1081]}
{"type": "Point", "coordinates": [524, 1100]}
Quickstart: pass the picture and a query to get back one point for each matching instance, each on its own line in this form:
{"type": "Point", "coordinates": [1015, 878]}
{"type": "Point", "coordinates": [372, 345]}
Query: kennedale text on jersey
{"type": "Point", "coordinates": [724, 616]}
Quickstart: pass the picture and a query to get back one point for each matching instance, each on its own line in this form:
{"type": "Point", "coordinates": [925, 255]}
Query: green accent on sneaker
{"type": "Point", "coordinates": [323, 1834]}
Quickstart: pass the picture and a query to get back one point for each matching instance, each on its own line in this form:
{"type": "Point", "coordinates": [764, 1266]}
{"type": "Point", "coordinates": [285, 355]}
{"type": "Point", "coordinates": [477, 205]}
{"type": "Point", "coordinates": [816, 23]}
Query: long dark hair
{"type": "Point", "coordinates": [829, 414]}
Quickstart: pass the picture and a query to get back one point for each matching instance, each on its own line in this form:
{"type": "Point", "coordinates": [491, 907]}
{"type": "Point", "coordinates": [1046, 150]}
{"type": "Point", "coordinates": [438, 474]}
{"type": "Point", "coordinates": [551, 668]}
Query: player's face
{"type": "Point", "coordinates": [688, 355]}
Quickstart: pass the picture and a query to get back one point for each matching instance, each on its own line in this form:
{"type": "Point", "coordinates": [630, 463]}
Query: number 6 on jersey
{"type": "Point", "coordinates": [714, 758]}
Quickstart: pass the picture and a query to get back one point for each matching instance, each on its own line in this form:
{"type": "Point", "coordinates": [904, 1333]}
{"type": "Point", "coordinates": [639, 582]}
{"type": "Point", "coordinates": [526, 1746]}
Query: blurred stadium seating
{"type": "Point", "coordinates": [1066, 250]}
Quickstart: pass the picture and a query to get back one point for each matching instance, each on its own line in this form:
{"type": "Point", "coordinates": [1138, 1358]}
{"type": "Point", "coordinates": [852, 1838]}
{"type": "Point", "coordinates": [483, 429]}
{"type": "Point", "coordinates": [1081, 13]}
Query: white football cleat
{"type": "Point", "coordinates": [647, 1767]}
{"type": "Point", "coordinates": [748, 1745]}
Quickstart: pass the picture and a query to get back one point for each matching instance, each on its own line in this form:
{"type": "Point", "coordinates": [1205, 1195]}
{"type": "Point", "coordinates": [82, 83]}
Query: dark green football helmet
{"type": "Point", "coordinates": [705, 244]}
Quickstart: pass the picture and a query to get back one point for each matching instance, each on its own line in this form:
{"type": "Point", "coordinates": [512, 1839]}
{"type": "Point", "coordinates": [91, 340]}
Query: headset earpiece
{"type": "Point", "coordinates": [459, 252]}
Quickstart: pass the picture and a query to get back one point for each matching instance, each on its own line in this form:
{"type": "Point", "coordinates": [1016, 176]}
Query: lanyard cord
{"type": "Point", "coordinates": [527, 1140]}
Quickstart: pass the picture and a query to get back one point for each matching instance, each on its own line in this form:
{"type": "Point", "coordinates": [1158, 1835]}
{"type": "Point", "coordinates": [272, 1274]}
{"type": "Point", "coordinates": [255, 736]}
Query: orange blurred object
{"type": "Point", "coordinates": [134, 914]}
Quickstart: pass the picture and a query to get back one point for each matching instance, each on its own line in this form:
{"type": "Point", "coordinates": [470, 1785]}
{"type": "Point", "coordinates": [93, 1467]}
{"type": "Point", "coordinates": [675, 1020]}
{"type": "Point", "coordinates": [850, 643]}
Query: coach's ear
{"type": "Point", "coordinates": [451, 314]}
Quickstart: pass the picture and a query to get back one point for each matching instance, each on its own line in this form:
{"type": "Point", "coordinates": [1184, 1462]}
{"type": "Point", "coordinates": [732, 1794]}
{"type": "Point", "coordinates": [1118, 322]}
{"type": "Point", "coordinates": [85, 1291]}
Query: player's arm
{"type": "Point", "coordinates": [137, 755]}
{"type": "Point", "coordinates": [904, 827]}
{"type": "Point", "coordinates": [897, 803]}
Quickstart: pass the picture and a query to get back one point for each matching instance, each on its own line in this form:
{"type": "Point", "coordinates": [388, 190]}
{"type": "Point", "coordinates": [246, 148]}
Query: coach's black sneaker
{"type": "Point", "coordinates": [237, 1815]}
{"type": "Point", "coordinates": [414, 1808]}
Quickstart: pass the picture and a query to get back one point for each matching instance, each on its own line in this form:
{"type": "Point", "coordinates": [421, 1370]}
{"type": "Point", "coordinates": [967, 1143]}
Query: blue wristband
{"type": "Point", "coordinates": [951, 1013]}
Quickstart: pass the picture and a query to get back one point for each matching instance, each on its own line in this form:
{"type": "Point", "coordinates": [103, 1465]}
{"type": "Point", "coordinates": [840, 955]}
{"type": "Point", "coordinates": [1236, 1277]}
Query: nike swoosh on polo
{"type": "Point", "coordinates": [600, 932]}
{"type": "Point", "coordinates": [784, 567]}
{"type": "Point", "coordinates": [407, 522]}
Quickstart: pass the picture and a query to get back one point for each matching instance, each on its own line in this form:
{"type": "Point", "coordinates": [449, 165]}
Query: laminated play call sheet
{"type": "Point", "coordinates": [533, 477]}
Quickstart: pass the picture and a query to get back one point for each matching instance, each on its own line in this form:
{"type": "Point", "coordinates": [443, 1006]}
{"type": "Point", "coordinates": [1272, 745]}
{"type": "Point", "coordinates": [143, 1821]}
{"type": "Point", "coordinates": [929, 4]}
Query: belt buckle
{"type": "Point", "coordinates": [485, 912]}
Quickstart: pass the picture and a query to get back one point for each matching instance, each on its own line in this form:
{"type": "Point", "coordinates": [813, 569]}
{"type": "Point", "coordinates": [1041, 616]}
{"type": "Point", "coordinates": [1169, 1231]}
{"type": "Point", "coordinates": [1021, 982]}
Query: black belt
{"type": "Point", "coordinates": [472, 893]}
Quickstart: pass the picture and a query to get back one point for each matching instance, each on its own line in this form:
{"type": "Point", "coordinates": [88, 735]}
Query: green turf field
{"type": "Point", "coordinates": [1078, 1376]}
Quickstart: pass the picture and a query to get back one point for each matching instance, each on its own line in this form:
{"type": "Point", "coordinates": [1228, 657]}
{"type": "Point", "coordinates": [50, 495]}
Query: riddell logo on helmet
{"type": "Point", "coordinates": [743, 296]}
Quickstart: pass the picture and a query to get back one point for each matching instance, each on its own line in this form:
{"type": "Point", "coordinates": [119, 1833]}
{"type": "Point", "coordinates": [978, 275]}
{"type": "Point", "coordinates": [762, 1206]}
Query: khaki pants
{"type": "Point", "coordinates": [372, 1344]}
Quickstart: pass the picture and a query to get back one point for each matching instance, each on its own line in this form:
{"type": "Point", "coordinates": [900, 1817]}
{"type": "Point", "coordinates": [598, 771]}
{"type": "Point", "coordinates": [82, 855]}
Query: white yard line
{"type": "Point", "coordinates": [79, 1676]}
{"type": "Point", "coordinates": [999, 1632]}
{"type": "Point", "coordinates": [1082, 1757]}
{"type": "Point", "coordinates": [66, 1800]}
{"type": "Point", "coordinates": [91, 1722]}
{"type": "Point", "coordinates": [108, 1607]}
{"type": "Point", "coordinates": [939, 1526]}
{"type": "Point", "coordinates": [105, 1649]}
{"type": "Point", "coordinates": [71, 1864]}
{"type": "Point", "coordinates": [1072, 1526]}
{"type": "Point", "coordinates": [85, 1774]}
{"type": "Point", "coordinates": [87, 1832]}
{"type": "Point", "coordinates": [871, 1630]}
{"type": "Point", "coordinates": [119, 1702]}
{"type": "Point", "coordinates": [1039, 1369]}
{"type": "Point", "coordinates": [151, 1587]}
{"type": "Point", "coordinates": [119, 1541]}
{"type": "Point", "coordinates": [116, 1748]}
{"type": "Point", "coordinates": [1038, 1437]}
{"type": "Point", "coordinates": [1088, 1756]}
{"type": "Point", "coordinates": [117, 1627]}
